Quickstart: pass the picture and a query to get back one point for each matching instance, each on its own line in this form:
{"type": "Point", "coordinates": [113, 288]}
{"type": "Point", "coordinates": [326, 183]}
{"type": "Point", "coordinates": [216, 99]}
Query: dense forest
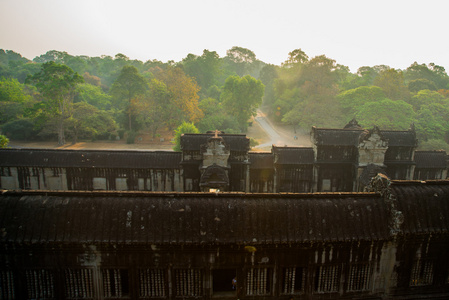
{"type": "Point", "coordinates": [67, 98]}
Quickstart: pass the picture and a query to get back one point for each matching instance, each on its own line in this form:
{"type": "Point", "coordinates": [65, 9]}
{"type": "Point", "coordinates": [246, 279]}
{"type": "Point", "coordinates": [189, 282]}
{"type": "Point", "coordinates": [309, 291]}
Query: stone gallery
{"type": "Point", "coordinates": [388, 243]}
{"type": "Point", "coordinates": [341, 160]}
{"type": "Point", "coordinates": [361, 214]}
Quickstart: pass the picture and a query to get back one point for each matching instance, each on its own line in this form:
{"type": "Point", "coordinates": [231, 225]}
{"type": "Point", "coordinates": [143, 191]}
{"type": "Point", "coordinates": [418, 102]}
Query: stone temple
{"type": "Point", "coordinates": [360, 215]}
{"type": "Point", "coordinates": [341, 160]}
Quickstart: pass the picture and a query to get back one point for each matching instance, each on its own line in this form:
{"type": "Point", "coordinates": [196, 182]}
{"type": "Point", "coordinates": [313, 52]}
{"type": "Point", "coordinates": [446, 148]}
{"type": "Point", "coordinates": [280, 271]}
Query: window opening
{"type": "Point", "coordinates": [189, 282]}
{"type": "Point", "coordinates": [327, 279]}
{"type": "Point", "coordinates": [422, 273]}
{"type": "Point", "coordinates": [258, 281]}
{"type": "Point", "coordinates": [115, 283]}
{"type": "Point", "coordinates": [359, 277]}
{"type": "Point", "coordinates": [152, 283]}
{"type": "Point", "coordinates": [223, 280]}
{"type": "Point", "coordinates": [78, 283]}
{"type": "Point", "coordinates": [7, 285]}
{"type": "Point", "coordinates": [40, 284]}
{"type": "Point", "coordinates": [293, 280]}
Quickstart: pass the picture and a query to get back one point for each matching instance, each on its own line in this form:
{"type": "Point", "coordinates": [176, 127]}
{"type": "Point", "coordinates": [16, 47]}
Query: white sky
{"type": "Point", "coordinates": [353, 32]}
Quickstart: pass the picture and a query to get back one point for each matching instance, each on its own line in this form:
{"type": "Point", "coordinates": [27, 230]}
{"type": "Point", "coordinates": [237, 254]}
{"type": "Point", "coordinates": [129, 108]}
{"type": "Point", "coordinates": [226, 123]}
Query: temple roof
{"type": "Point", "coordinates": [423, 204]}
{"type": "Point", "coordinates": [261, 160]}
{"type": "Point", "coordinates": [406, 138]}
{"type": "Point", "coordinates": [351, 137]}
{"type": "Point", "coordinates": [415, 207]}
{"type": "Point", "coordinates": [400, 207]}
{"type": "Point", "coordinates": [207, 218]}
{"type": "Point", "coordinates": [193, 142]}
{"type": "Point", "coordinates": [293, 155]}
{"type": "Point", "coordinates": [431, 159]}
{"type": "Point", "coordinates": [89, 158]}
{"type": "Point", "coordinates": [337, 137]}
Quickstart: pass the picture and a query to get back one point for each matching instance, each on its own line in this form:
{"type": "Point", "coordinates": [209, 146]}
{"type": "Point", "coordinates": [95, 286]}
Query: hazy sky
{"type": "Point", "coordinates": [353, 32]}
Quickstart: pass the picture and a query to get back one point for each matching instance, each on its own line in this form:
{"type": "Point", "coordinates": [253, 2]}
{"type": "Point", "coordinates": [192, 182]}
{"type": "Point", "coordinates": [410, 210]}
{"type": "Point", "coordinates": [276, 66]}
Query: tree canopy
{"type": "Point", "coordinates": [128, 86]}
{"type": "Point", "coordinates": [241, 97]}
{"type": "Point", "coordinates": [57, 84]}
{"type": "Point", "coordinates": [212, 92]}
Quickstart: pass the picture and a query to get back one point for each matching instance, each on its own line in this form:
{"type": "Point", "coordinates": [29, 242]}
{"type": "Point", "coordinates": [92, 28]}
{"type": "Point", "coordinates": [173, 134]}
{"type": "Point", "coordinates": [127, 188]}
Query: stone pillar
{"type": "Point", "coordinates": [316, 172]}
{"type": "Point", "coordinates": [247, 179]}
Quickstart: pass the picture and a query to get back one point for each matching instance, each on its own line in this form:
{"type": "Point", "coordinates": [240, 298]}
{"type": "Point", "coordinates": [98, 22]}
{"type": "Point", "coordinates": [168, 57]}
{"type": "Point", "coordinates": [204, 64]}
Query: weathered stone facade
{"type": "Point", "coordinates": [341, 160]}
{"type": "Point", "coordinates": [389, 243]}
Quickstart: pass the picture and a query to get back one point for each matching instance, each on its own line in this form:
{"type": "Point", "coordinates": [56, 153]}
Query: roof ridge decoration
{"type": "Point", "coordinates": [367, 133]}
{"type": "Point", "coordinates": [353, 124]}
{"type": "Point", "coordinates": [382, 184]}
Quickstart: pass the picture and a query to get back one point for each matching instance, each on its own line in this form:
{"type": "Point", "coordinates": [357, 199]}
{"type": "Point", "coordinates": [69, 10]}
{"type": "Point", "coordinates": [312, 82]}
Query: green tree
{"type": "Point", "coordinates": [4, 141]}
{"type": "Point", "coordinates": [15, 99]}
{"type": "Point", "coordinates": [297, 56]}
{"type": "Point", "coordinates": [386, 114]}
{"type": "Point", "coordinates": [89, 122]}
{"type": "Point", "coordinates": [51, 56]}
{"type": "Point", "coordinates": [216, 118]}
{"type": "Point", "coordinates": [128, 86]}
{"type": "Point", "coordinates": [268, 75]}
{"type": "Point", "coordinates": [92, 79]}
{"type": "Point", "coordinates": [242, 61]}
{"type": "Point", "coordinates": [183, 128]}
{"type": "Point", "coordinates": [93, 95]}
{"type": "Point", "coordinates": [432, 121]}
{"type": "Point", "coordinates": [184, 97]}
{"type": "Point", "coordinates": [314, 93]}
{"type": "Point", "coordinates": [431, 72]}
{"type": "Point", "coordinates": [426, 97]}
{"type": "Point", "coordinates": [241, 97]}
{"type": "Point", "coordinates": [152, 109]}
{"type": "Point", "coordinates": [205, 69]}
{"type": "Point", "coordinates": [391, 81]}
{"type": "Point", "coordinates": [20, 129]}
{"type": "Point", "coordinates": [57, 83]}
{"type": "Point", "coordinates": [417, 85]}
{"type": "Point", "coordinates": [351, 100]}
{"type": "Point", "coordinates": [366, 75]}
{"type": "Point", "coordinates": [433, 144]}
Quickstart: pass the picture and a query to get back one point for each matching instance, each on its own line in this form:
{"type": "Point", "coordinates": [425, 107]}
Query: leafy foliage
{"type": "Point", "coordinates": [127, 87]}
{"type": "Point", "coordinates": [152, 109]}
{"type": "Point", "coordinates": [309, 98]}
{"type": "Point", "coordinates": [352, 100]}
{"type": "Point", "coordinates": [241, 97]}
{"type": "Point", "coordinates": [20, 129]}
{"type": "Point", "coordinates": [4, 141]}
{"type": "Point", "coordinates": [57, 83]}
{"type": "Point", "coordinates": [302, 91]}
{"type": "Point", "coordinates": [386, 114]}
{"type": "Point", "coordinates": [183, 90]}
{"type": "Point", "coordinates": [183, 128]}
{"type": "Point", "coordinates": [391, 81]}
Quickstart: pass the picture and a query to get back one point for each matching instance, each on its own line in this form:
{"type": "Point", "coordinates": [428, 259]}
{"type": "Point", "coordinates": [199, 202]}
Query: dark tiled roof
{"type": "Point", "coordinates": [400, 138]}
{"type": "Point", "coordinates": [424, 205]}
{"type": "Point", "coordinates": [199, 218]}
{"type": "Point", "coordinates": [260, 160]}
{"type": "Point", "coordinates": [91, 158]}
{"type": "Point", "coordinates": [337, 137]}
{"type": "Point", "coordinates": [294, 155]}
{"type": "Point", "coordinates": [193, 142]}
{"type": "Point", "coordinates": [431, 159]}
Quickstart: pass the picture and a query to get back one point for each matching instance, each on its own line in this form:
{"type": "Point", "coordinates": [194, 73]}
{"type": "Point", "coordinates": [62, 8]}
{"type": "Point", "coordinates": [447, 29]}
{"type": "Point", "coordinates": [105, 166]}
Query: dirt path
{"type": "Point", "coordinates": [263, 130]}
{"type": "Point", "coordinates": [280, 135]}
{"type": "Point", "coordinates": [102, 145]}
